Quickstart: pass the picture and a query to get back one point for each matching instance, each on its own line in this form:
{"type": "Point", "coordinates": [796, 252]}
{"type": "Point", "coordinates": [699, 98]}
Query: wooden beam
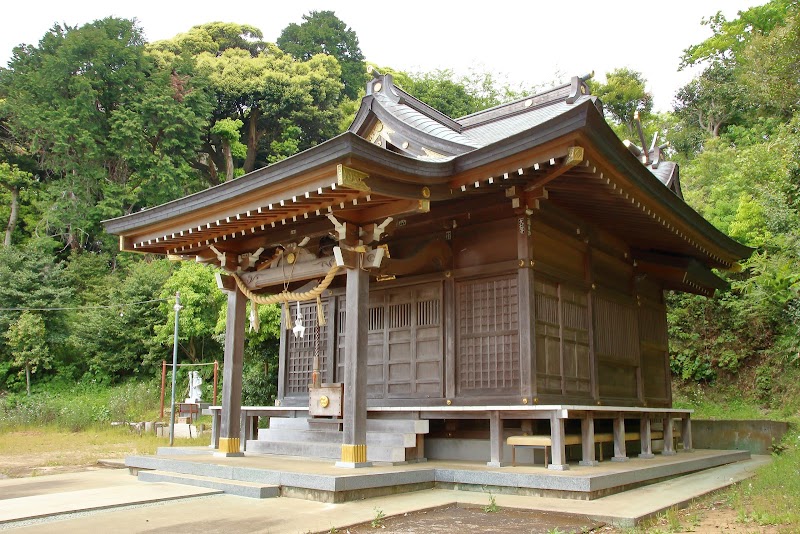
{"type": "Point", "coordinates": [276, 276]}
{"type": "Point", "coordinates": [574, 156]}
{"type": "Point", "coordinates": [390, 209]}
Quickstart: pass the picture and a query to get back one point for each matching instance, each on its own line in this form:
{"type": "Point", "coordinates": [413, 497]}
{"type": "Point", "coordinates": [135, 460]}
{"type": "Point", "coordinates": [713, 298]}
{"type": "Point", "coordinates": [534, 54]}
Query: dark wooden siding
{"type": "Point", "coordinates": [562, 339]}
{"type": "Point", "coordinates": [488, 336]}
{"type": "Point", "coordinates": [655, 352]}
{"type": "Point", "coordinates": [616, 345]}
{"type": "Point", "coordinates": [405, 342]}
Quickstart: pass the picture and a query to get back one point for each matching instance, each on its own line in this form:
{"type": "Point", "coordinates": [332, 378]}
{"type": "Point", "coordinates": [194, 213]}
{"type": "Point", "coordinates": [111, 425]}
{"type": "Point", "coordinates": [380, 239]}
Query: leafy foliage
{"type": "Point", "coordinates": [322, 32]}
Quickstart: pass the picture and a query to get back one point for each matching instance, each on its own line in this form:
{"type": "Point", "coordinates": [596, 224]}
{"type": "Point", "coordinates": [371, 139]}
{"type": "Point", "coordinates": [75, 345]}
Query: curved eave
{"type": "Point", "coordinates": [342, 148]}
{"type": "Point", "coordinates": [605, 141]}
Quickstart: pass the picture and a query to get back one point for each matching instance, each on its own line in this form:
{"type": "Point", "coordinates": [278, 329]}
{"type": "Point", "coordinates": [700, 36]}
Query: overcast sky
{"type": "Point", "coordinates": [528, 42]}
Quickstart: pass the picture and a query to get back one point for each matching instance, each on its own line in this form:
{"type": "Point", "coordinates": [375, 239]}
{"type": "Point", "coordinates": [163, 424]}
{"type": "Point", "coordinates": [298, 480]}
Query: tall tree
{"type": "Point", "coordinates": [26, 341]}
{"type": "Point", "coordinates": [102, 121]}
{"type": "Point", "coordinates": [13, 180]}
{"type": "Point", "coordinates": [322, 32]}
{"type": "Point", "coordinates": [712, 100]}
{"type": "Point", "coordinates": [624, 95]}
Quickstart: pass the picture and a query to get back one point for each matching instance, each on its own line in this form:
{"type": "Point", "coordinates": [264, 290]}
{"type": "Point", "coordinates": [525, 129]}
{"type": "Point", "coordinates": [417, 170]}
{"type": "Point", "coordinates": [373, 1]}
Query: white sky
{"type": "Point", "coordinates": [528, 42]}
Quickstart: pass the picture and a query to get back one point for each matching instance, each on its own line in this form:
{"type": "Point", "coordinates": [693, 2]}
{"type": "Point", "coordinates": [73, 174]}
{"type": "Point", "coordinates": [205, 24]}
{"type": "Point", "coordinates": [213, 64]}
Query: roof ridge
{"type": "Point", "coordinates": [567, 92]}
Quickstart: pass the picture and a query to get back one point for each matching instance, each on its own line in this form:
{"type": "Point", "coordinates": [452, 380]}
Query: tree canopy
{"type": "Point", "coordinates": [322, 32]}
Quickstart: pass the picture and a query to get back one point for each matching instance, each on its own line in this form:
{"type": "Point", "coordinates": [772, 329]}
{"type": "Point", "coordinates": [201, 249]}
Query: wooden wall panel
{"type": "Point", "coordinates": [562, 339]}
{"type": "Point", "coordinates": [655, 353]}
{"type": "Point", "coordinates": [617, 381]}
{"type": "Point", "coordinates": [405, 342]}
{"type": "Point", "coordinates": [612, 272]}
{"type": "Point", "coordinates": [575, 341]}
{"type": "Point", "coordinates": [557, 251]}
{"type": "Point", "coordinates": [616, 337]}
{"type": "Point", "coordinates": [485, 243]}
{"type": "Point", "coordinates": [488, 336]}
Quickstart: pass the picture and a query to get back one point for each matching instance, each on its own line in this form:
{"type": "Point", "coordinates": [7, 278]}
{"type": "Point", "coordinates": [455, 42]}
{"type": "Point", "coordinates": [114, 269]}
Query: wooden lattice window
{"type": "Point", "coordinates": [301, 351]}
{"type": "Point", "coordinates": [488, 336]}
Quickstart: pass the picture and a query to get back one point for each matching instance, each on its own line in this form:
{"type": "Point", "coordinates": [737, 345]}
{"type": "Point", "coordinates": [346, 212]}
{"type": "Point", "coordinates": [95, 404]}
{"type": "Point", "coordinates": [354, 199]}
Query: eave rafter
{"type": "Point", "coordinates": [340, 195]}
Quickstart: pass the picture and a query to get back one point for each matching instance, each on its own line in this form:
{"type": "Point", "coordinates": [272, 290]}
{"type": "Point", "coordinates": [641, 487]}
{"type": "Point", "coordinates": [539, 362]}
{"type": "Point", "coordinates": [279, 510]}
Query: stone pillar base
{"type": "Point", "coordinates": [620, 459]}
{"type": "Point", "coordinates": [558, 467]}
{"type": "Point", "coordinates": [647, 455]}
{"type": "Point", "coordinates": [588, 463]}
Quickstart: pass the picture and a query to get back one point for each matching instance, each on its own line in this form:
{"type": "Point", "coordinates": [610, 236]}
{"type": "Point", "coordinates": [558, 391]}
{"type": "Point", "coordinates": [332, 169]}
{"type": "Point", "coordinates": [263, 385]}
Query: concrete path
{"type": "Point", "coordinates": [61, 503]}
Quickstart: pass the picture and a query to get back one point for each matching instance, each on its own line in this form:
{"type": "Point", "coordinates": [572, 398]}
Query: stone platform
{"type": "Point", "coordinates": [319, 480]}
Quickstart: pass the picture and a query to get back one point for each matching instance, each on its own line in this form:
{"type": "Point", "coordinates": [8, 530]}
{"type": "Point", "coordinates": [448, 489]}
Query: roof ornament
{"type": "Point", "coordinates": [651, 156]}
{"type": "Point", "coordinates": [579, 87]}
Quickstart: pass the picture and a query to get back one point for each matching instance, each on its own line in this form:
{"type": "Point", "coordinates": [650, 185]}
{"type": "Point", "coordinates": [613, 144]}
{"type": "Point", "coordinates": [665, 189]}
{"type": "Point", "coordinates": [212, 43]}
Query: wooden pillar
{"type": "Point", "coordinates": [587, 441]}
{"type": "Point", "coordinates": [644, 434]}
{"type": "Point", "coordinates": [559, 450]}
{"type": "Point", "coordinates": [230, 425]}
{"type": "Point", "coordinates": [527, 319]}
{"type": "Point", "coordinates": [449, 338]}
{"type": "Point", "coordinates": [668, 449]}
{"type": "Point", "coordinates": [495, 440]}
{"type": "Point", "coordinates": [620, 455]}
{"type": "Point", "coordinates": [354, 442]}
{"type": "Point", "coordinates": [686, 432]}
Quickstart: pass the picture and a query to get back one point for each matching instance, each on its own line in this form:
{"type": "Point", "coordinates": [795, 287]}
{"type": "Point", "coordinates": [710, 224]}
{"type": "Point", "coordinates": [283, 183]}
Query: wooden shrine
{"type": "Point", "coordinates": [506, 268]}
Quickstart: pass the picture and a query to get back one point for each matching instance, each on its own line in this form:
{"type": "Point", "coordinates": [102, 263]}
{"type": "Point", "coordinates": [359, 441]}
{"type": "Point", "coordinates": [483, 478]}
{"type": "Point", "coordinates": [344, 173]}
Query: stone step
{"type": "Point", "coordinates": [323, 450]}
{"type": "Point", "coordinates": [241, 488]}
{"type": "Point", "coordinates": [404, 426]}
{"type": "Point", "coordinates": [385, 439]}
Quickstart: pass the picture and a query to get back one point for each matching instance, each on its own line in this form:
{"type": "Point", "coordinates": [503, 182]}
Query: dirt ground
{"type": "Point", "coordinates": [705, 517]}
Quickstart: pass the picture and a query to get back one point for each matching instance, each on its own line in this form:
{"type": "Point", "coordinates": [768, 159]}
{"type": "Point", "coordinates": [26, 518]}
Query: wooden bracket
{"type": "Point", "coordinates": [225, 282]}
{"type": "Point", "coordinates": [351, 178]}
{"type": "Point", "coordinates": [574, 156]}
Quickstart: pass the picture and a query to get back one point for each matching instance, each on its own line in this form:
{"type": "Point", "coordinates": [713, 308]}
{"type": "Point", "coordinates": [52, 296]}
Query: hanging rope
{"type": "Point", "coordinates": [285, 297]}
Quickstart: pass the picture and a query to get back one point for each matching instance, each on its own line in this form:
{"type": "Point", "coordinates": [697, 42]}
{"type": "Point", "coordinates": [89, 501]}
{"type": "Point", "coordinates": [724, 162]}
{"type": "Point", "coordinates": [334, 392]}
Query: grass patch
{"type": "Point", "coordinates": [772, 496]}
{"type": "Point", "coordinates": [29, 451]}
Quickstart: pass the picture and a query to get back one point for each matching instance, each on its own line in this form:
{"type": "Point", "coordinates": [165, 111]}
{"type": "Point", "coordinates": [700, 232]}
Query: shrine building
{"type": "Point", "coordinates": [475, 280]}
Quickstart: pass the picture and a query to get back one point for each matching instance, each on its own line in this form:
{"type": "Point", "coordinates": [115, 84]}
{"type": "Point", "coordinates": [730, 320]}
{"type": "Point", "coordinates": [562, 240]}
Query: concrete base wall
{"type": "Point", "coordinates": [754, 436]}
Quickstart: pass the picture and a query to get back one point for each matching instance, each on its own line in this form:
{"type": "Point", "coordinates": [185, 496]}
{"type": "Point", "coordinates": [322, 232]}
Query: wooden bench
{"type": "Point", "coordinates": [546, 442]}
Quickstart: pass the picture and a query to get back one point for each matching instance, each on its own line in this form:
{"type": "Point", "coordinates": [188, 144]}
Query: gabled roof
{"type": "Point", "coordinates": [402, 157]}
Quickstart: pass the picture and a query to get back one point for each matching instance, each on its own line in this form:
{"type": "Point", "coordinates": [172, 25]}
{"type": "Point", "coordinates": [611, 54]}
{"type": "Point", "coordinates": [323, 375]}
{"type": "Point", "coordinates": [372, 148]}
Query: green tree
{"type": "Point", "coordinates": [276, 97]}
{"type": "Point", "coordinates": [731, 36]}
{"type": "Point", "coordinates": [104, 124]}
{"type": "Point", "coordinates": [712, 100]}
{"type": "Point", "coordinates": [202, 302]}
{"type": "Point", "coordinates": [322, 32]}
{"type": "Point", "coordinates": [13, 180]}
{"type": "Point", "coordinates": [769, 65]}
{"type": "Point", "coordinates": [623, 96]}
{"type": "Point", "coordinates": [26, 341]}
